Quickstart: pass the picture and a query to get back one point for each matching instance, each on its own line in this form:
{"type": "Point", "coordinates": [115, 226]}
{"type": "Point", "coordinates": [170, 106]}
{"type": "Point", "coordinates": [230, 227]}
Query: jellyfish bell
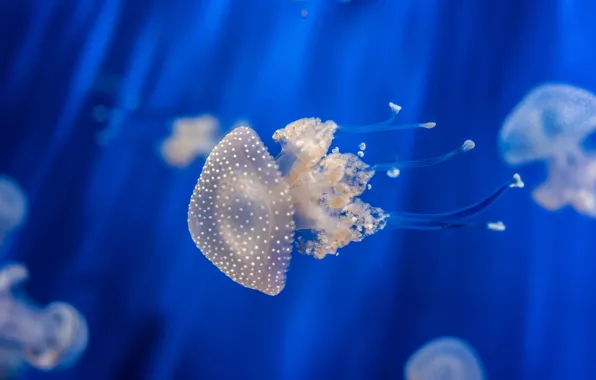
{"type": "Point", "coordinates": [13, 206]}
{"type": "Point", "coordinates": [551, 120]}
{"type": "Point", "coordinates": [247, 206]}
{"type": "Point", "coordinates": [241, 213]}
{"type": "Point", "coordinates": [445, 358]}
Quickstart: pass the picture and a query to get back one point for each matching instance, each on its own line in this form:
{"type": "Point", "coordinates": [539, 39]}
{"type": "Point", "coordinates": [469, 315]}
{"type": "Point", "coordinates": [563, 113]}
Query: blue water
{"type": "Point", "coordinates": [107, 226]}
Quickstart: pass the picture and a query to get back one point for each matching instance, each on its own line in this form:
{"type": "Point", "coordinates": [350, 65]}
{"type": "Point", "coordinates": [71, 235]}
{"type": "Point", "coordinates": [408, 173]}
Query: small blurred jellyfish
{"type": "Point", "coordinates": [14, 206]}
{"type": "Point", "coordinates": [191, 138]}
{"type": "Point", "coordinates": [444, 358]}
{"type": "Point", "coordinates": [49, 338]}
{"type": "Point", "coordinates": [247, 206]}
{"type": "Point", "coordinates": [551, 124]}
{"type": "Point", "coordinates": [393, 173]}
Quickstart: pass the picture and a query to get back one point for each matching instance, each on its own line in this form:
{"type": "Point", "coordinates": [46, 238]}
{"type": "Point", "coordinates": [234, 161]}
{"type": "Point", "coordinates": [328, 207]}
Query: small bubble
{"type": "Point", "coordinates": [393, 172]}
{"type": "Point", "coordinates": [362, 146]}
{"type": "Point", "coordinates": [360, 154]}
{"type": "Point", "coordinates": [335, 150]}
{"type": "Point", "coordinates": [369, 186]}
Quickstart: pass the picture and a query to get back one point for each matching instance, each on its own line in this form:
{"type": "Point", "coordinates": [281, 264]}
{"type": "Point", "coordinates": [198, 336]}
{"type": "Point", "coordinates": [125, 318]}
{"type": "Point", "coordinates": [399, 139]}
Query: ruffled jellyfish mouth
{"type": "Point", "coordinates": [247, 205]}
{"type": "Point", "coordinates": [48, 338]}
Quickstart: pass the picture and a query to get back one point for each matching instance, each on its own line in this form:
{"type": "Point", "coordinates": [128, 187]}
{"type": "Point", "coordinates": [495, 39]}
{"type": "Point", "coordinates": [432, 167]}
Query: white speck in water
{"type": "Point", "coordinates": [393, 173]}
{"type": "Point", "coordinates": [335, 150]}
{"type": "Point", "coordinates": [362, 146]}
{"type": "Point", "coordinates": [369, 186]}
{"type": "Point", "coordinates": [360, 154]}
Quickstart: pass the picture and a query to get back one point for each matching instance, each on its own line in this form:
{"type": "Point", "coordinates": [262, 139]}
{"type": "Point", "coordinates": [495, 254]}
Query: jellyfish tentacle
{"type": "Point", "coordinates": [393, 221]}
{"type": "Point", "coordinates": [383, 126]}
{"type": "Point", "coordinates": [455, 219]}
{"type": "Point", "coordinates": [386, 125]}
{"type": "Point", "coordinates": [465, 147]}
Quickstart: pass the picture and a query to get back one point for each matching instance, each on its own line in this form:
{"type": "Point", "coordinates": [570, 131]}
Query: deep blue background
{"type": "Point", "coordinates": [107, 227]}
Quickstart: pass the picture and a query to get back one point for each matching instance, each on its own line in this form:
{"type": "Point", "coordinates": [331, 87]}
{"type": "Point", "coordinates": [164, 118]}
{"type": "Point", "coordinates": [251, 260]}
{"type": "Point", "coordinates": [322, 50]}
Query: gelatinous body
{"type": "Point", "coordinates": [190, 138]}
{"type": "Point", "coordinates": [45, 338]}
{"type": "Point", "coordinates": [445, 358]}
{"type": "Point", "coordinates": [240, 215]}
{"type": "Point", "coordinates": [247, 206]}
{"type": "Point", "coordinates": [550, 125]}
{"type": "Point", "coordinates": [14, 206]}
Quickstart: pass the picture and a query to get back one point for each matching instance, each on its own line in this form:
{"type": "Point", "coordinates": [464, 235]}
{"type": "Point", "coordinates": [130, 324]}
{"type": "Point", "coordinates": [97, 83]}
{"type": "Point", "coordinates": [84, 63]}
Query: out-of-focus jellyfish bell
{"type": "Point", "coordinates": [190, 138]}
{"type": "Point", "coordinates": [445, 358]}
{"type": "Point", "coordinates": [550, 124]}
{"type": "Point", "coordinates": [47, 338]}
{"type": "Point", "coordinates": [13, 206]}
{"type": "Point", "coordinates": [247, 205]}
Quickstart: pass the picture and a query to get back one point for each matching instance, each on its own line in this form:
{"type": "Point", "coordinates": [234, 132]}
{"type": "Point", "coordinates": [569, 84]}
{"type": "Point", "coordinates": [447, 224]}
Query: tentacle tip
{"type": "Point", "coordinates": [394, 107]}
{"type": "Point", "coordinates": [429, 125]}
{"type": "Point", "coordinates": [517, 181]}
{"type": "Point", "coordinates": [468, 145]}
{"type": "Point", "coordinates": [496, 226]}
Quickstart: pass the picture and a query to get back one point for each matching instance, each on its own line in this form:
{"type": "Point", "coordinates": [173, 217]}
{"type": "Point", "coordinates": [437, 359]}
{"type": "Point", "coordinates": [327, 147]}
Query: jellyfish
{"type": "Point", "coordinates": [47, 338]}
{"type": "Point", "coordinates": [192, 137]}
{"type": "Point", "coordinates": [444, 358]}
{"type": "Point", "coordinates": [13, 206]}
{"type": "Point", "coordinates": [550, 125]}
{"type": "Point", "coordinates": [248, 208]}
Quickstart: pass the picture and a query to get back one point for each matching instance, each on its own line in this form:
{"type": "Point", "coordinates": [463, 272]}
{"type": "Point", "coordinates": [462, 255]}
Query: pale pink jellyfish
{"type": "Point", "coordinates": [247, 206]}
{"type": "Point", "coordinates": [550, 125]}
{"type": "Point", "coordinates": [46, 338]}
{"type": "Point", "coordinates": [444, 358]}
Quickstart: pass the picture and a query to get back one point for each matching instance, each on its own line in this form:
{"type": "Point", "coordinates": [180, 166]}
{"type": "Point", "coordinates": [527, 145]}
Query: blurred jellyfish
{"type": "Point", "coordinates": [191, 138]}
{"type": "Point", "coordinates": [247, 206]}
{"type": "Point", "coordinates": [445, 358]}
{"type": "Point", "coordinates": [393, 173]}
{"type": "Point", "coordinates": [46, 339]}
{"type": "Point", "coordinates": [550, 124]}
{"type": "Point", "coordinates": [13, 206]}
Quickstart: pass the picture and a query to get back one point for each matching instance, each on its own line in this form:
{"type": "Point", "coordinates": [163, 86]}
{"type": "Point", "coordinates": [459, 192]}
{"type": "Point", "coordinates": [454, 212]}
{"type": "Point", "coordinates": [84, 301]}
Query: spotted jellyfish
{"type": "Point", "coordinates": [14, 206]}
{"type": "Point", "coordinates": [47, 338]}
{"type": "Point", "coordinates": [247, 206]}
{"type": "Point", "coordinates": [444, 358]}
{"type": "Point", "coordinates": [550, 125]}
